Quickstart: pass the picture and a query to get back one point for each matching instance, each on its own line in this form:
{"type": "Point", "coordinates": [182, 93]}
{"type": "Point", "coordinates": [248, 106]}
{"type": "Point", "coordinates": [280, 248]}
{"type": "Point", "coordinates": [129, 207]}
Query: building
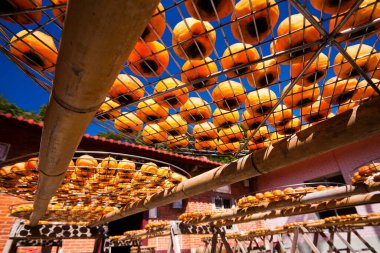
{"type": "Point", "coordinates": [329, 166]}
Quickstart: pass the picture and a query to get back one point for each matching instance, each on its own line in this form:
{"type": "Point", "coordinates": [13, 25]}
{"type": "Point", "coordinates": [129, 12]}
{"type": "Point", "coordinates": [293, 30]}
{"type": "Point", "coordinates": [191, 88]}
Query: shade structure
{"type": "Point", "coordinates": [324, 137]}
{"type": "Point", "coordinates": [165, 66]}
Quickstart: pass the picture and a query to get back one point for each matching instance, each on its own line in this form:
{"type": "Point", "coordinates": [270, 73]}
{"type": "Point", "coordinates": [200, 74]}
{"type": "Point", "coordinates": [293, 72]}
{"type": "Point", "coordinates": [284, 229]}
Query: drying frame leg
{"type": "Point", "coordinates": [329, 242]}
{"type": "Point", "coordinates": [349, 239]}
{"type": "Point", "coordinates": [214, 243]}
{"type": "Point", "coordinates": [308, 241]}
{"type": "Point", "coordinates": [170, 245]}
{"type": "Point", "coordinates": [175, 242]}
{"type": "Point", "coordinates": [98, 247]}
{"type": "Point", "coordinates": [258, 245]}
{"type": "Point", "coordinates": [241, 247]}
{"type": "Point", "coordinates": [138, 247]}
{"type": "Point", "coordinates": [364, 241]}
{"type": "Point", "coordinates": [280, 244]}
{"type": "Point", "coordinates": [349, 246]}
{"type": "Point", "coordinates": [295, 241]}
{"type": "Point", "coordinates": [225, 242]}
{"type": "Point", "coordinates": [331, 239]}
{"type": "Point", "coordinates": [10, 246]}
{"type": "Point", "coordinates": [46, 249]}
{"type": "Point", "coordinates": [206, 246]}
{"type": "Point", "coordinates": [315, 239]}
{"type": "Point", "coordinates": [249, 246]}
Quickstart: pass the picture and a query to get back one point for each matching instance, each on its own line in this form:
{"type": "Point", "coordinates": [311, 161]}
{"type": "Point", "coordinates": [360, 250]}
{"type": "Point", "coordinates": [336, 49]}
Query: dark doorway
{"type": "Point", "coordinates": [118, 227]}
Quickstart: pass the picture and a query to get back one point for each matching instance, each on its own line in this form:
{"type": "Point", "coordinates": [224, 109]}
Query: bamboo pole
{"type": "Point", "coordinates": [310, 198]}
{"type": "Point", "coordinates": [360, 123]}
{"type": "Point", "coordinates": [96, 41]}
{"type": "Point", "coordinates": [145, 234]}
{"type": "Point", "coordinates": [356, 200]}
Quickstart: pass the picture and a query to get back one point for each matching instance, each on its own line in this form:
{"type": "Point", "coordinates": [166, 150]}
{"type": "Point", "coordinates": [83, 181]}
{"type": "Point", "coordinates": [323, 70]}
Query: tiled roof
{"type": "Point", "coordinates": [201, 160]}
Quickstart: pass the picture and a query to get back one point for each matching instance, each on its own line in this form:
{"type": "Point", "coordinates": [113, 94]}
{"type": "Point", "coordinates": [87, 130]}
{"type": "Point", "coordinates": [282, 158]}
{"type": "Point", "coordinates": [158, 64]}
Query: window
{"type": "Point", "coordinates": [222, 203]}
{"type": "Point", "coordinates": [153, 213]}
{"type": "Point", "coordinates": [335, 178]}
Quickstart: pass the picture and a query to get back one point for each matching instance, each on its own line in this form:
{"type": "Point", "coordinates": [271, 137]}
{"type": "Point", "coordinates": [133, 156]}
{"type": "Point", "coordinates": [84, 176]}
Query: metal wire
{"type": "Point", "coordinates": [215, 40]}
{"type": "Point", "coordinates": [94, 178]}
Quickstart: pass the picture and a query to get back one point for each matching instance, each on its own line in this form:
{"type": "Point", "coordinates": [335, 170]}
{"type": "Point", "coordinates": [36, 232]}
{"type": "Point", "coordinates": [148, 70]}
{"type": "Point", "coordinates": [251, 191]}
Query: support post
{"type": "Point", "coordinates": [170, 245]}
{"type": "Point", "coordinates": [307, 240]}
{"type": "Point", "coordinates": [329, 242]}
{"type": "Point", "coordinates": [271, 245]}
{"type": "Point", "coordinates": [315, 239]}
{"type": "Point", "coordinates": [331, 239]}
{"type": "Point", "coordinates": [349, 239]}
{"type": "Point", "coordinates": [175, 241]}
{"type": "Point", "coordinates": [280, 246]}
{"type": "Point", "coordinates": [364, 241]}
{"type": "Point", "coordinates": [46, 249]}
{"type": "Point", "coordinates": [10, 246]}
{"type": "Point", "coordinates": [250, 246]}
{"type": "Point", "coordinates": [138, 248]}
{"type": "Point", "coordinates": [98, 246]}
{"type": "Point", "coordinates": [206, 246]}
{"type": "Point", "coordinates": [214, 242]}
{"type": "Point", "coordinates": [348, 245]}
{"type": "Point", "coordinates": [225, 242]}
{"type": "Point", "coordinates": [295, 240]}
{"type": "Point", "coordinates": [242, 248]}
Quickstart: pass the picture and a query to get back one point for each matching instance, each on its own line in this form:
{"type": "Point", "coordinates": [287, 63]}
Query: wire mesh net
{"type": "Point", "coordinates": [290, 193]}
{"type": "Point", "coordinates": [367, 173]}
{"type": "Point", "coordinates": [286, 192]}
{"type": "Point", "coordinates": [94, 179]}
{"type": "Point", "coordinates": [220, 77]}
{"type": "Point", "coordinates": [338, 222]}
{"type": "Point", "coordinates": [61, 213]}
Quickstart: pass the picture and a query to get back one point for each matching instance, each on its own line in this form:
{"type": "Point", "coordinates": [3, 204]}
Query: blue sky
{"type": "Point", "coordinates": [22, 91]}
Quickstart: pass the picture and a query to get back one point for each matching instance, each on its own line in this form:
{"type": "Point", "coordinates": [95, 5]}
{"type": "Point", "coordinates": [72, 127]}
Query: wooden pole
{"type": "Point", "coordinates": [360, 123]}
{"type": "Point", "coordinates": [356, 200]}
{"type": "Point", "coordinates": [314, 197]}
{"type": "Point", "coordinates": [96, 41]}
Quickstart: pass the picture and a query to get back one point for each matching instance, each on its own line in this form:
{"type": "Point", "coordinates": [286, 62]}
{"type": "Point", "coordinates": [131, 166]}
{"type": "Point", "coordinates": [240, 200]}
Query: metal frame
{"type": "Point", "coordinates": [109, 244]}
{"type": "Point", "coordinates": [333, 231]}
{"type": "Point", "coordinates": [313, 198]}
{"type": "Point", "coordinates": [49, 235]}
{"type": "Point", "coordinates": [83, 195]}
{"type": "Point", "coordinates": [266, 242]}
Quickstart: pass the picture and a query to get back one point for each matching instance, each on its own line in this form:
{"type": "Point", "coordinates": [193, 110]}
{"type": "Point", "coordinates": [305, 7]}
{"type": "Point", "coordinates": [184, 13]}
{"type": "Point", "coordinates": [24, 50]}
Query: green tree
{"type": "Point", "coordinates": [222, 159]}
{"type": "Point", "coordinates": [8, 107]}
{"type": "Point", "coordinates": [111, 136]}
{"type": "Point", "coordinates": [42, 111]}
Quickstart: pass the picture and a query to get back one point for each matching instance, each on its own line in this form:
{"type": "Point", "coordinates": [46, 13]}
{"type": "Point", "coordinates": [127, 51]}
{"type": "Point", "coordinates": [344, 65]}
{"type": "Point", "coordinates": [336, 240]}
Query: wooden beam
{"type": "Point", "coordinates": [356, 200]}
{"type": "Point", "coordinates": [354, 125]}
{"type": "Point", "coordinates": [96, 41]}
{"type": "Point", "coordinates": [310, 198]}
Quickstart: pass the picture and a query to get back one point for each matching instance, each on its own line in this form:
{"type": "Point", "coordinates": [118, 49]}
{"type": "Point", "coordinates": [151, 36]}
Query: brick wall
{"type": "Point", "coordinates": [6, 222]}
{"type": "Point", "coordinates": [78, 246]}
